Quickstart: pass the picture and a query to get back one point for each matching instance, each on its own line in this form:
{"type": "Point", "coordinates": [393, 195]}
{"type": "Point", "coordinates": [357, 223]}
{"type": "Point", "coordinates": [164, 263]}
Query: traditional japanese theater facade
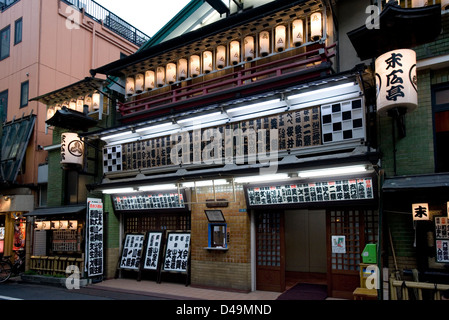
{"type": "Point", "coordinates": [245, 136]}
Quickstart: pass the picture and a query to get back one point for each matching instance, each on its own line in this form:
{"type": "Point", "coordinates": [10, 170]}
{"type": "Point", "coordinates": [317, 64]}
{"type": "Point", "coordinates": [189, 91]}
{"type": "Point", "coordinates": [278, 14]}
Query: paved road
{"type": "Point", "coordinates": [27, 291]}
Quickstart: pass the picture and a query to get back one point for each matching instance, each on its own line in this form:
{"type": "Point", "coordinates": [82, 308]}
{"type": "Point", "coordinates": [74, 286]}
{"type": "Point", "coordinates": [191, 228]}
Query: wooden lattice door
{"type": "Point", "coordinates": [270, 256]}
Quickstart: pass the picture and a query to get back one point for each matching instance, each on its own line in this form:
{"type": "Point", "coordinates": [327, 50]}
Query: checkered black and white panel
{"type": "Point", "coordinates": [112, 159]}
{"type": "Point", "coordinates": [343, 121]}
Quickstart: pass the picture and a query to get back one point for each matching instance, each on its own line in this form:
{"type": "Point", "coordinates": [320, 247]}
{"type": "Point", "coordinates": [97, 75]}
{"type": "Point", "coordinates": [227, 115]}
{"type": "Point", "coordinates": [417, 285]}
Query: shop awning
{"type": "Point", "coordinates": [72, 120]}
{"type": "Point", "coordinates": [14, 141]}
{"type": "Point", "coordinates": [404, 183]}
{"type": "Point", "coordinates": [52, 211]}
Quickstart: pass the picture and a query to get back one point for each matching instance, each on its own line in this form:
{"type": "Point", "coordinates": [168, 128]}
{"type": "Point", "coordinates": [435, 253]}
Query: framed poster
{"type": "Point", "coordinates": [177, 252]}
{"type": "Point", "coordinates": [338, 244]}
{"type": "Point", "coordinates": [153, 250]}
{"type": "Point", "coordinates": [132, 251]}
{"type": "Point", "coordinates": [94, 243]}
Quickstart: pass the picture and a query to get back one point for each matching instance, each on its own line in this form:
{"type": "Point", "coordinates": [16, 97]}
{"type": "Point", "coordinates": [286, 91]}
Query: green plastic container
{"type": "Point", "coordinates": [369, 254]}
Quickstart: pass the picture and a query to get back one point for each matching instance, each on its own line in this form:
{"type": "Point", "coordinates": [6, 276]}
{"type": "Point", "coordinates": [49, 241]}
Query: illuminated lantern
{"type": "Point", "coordinates": [96, 101]}
{"type": "Point", "coordinates": [234, 50]}
{"type": "Point", "coordinates": [57, 108]}
{"type": "Point", "coordinates": [419, 3]}
{"type": "Point", "coordinates": [88, 102]}
{"type": "Point", "coordinates": [80, 104]}
{"type": "Point", "coordinates": [280, 38]}
{"type": "Point", "coordinates": [149, 80]}
{"type": "Point", "coordinates": [140, 80]}
{"type": "Point", "coordinates": [130, 87]}
{"type": "Point", "coordinates": [72, 104]}
{"type": "Point", "coordinates": [160, 76]}
{"type": "Point", "coordinates": [72, 149]}
{"type": "Point", "coordinates": [264, 43]}
{"type": "Point", "coordinates": [182, 69]}
{"type": "Point", "coordinates": [420, 211]}
{"type": "Point", "coordinates": [249, 48]}
{"type": "Point", "coordinates": [65, 104]}
{"type": "Point", "coordinates": [72, 224]}
{"type": "Point", "coordinates": [207, 61]}
{"type": "Point", "coordinates": [50, 112]}
{"type": "Point", "coordinates": [45, 225]}
{"type": "Point", "coordinates": [221, 57]}
{"type": "Point", "coordinates": [171, 73]}
{"type": "Point", "coordinates": [315, 26]}
{"type": "Point", "coordinates": [396, 81]}
{"type": "Point", "coordinates": [195, 69]}
{"type": "Point", "coordinates": [444, 4]}
{"type": "Point", "coordinates": [298, 32]}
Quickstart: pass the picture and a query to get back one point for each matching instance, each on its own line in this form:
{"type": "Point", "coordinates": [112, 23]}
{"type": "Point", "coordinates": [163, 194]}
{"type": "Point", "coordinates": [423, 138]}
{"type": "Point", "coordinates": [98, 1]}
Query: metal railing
{"type": "Point", "coordinates": [110, 20]}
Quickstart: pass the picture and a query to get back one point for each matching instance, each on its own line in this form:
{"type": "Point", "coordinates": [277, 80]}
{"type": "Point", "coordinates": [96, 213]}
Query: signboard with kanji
{"type": "Point", "coordinates": [153, 250]}
{"type": "Point", "coordinates": [442, 239]}
{"type": "Point", "coordinates": [94, 246]}
{"type": "Point", "coordinates": [132, 251]}
{"type": "Point", "coordinates": [177, 252]}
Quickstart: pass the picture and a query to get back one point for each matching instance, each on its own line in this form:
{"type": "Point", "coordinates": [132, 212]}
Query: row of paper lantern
{"type": "Point", "coordinates": [184, 68]}
{"type": "Point", "coordinates": [56, 225]}
{"type": "Point", "coordinates": [92, 101]}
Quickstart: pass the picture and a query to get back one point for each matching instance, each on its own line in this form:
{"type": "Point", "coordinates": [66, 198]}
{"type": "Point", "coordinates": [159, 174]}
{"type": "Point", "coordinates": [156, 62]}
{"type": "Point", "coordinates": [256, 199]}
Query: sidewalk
{"type": "Point", "coordinates": [178, 291]}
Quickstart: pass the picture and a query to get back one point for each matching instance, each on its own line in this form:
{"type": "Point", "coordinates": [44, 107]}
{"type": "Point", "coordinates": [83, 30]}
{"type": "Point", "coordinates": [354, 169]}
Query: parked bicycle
{"type": "Point", "coordinates": [7, 268]}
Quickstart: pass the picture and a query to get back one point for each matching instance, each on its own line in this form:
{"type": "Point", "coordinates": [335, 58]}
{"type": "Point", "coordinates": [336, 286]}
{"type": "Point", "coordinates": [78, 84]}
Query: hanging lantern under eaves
{"type": "Point", "coordinates": [72, 149]}
{"type": "Point", "coordinates": [195, 68]}
{"type": "Point", "coordinates": [149, 80]}
{"type": "Point", "coordinates": [280, 38]}
{"type": "Point", "coordinates": [140, 80]}
{"type": "Point", "coordinates": [249, 48]}
{"type": "Point", "coordinates": [396, 81]}
{"type": "Point", "coordinates": [221, 57]}
{"type": "Point", "coordinates": [264, 43]}
{"type": "Point", "coordinates": [234, 50]}
{"type": "Point", "coordinates": [171, 73]}
{"type": "Point", "coordinates": [207, 61]}
{"type": "Point", "coordinates": [315, 26]}
{"type": "Point", "coordinates": [160, 76]}
{"type": "Point", "coordinates": [130, 87]}
{"type": "Point", "coordinates": [96, 101]}
{"type": "Point", "coordinates": [182, 69]}
{"type": "Point", "coordinates": [298, 32]}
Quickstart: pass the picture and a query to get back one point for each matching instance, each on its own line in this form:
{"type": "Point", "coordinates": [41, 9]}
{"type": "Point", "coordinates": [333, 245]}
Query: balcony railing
{"type": "Point", "coordinates": [110, 20]}
{"type": "Point", "coordinates": [238, 80]}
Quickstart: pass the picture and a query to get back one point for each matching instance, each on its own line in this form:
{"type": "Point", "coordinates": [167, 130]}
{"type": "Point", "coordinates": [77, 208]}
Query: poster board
{"type": "Point", "coordinates": [94, 243]}
{"type": "Point", "coordinates": [132, 251]}
{"type": "Point", "coordinates": [177, 252]}
{"type": "Point", "coordinates": [442, 238]}
{"type": "Point", "coordinates": [153, 250]}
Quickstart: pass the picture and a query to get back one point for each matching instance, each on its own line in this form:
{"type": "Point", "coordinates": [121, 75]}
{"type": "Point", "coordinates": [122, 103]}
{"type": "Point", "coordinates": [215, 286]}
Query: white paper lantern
{"type": "Point", "coordinates": [207, 61]}
{"type": "Point", "coordinates": [160, 76]}
{"type": "Point", "coordinates": [80, 104]}
{"type": "Point", "coordinates": [149, 80]}
{"type": "Point", "coordinates": [50, 112]}
{"type": "Point", "coordinates": [72, 104]}
{"type": "Point", "coordinates": [140, 81]}
{"type": "Point", "coordinates": [96, 101]}
{"type": "Point", "coordinates": [171, 73]}
{"type": "Point", "coordinates": [444, 4]}
{"type": "Point", "coordinates": [396, 81]}
{"type": "Point", "coordinates": [419, 3]}
{"type": "Point", "coordinates": [420, 211]}
{"type": "Point", "coordinates": [298, 32]}
{"type": "Point", "coordinates": [234, 51]}
{"type": "Point", "coordinates": [249, 48]}
{"type": "Point", "coordinates": [88, 102]}
{"type": "Point", "coordinates": [221, 57]}
{"type": "Point", "coordinates": [130, 86]}
{"type": "Point", "coordinates": [195, 68]}
{"type": "Point", "coordinates": [72, 149]}
{"type": "Point", "coordinates": [264, 43]}
{"type": "Point", "coordinates": [315, 26]}
{"type": "Point", "coordinates": [182, 69]}
{"type": "Point", "coordinates": [280, 37]}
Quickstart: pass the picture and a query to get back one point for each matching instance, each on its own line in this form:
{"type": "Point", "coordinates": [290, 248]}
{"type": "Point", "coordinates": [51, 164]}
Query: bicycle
{"type": "Point", "coordinates": [7, 268]}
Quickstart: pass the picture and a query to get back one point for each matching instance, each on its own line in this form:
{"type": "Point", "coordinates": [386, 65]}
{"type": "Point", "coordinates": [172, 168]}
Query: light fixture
{"type": "Point", "coordinates": [280, 38]}
{"type": "Point", "coordinates": [72, 104]}
{"type": "Point", "coordinates": [315, 26]}
{"type": "Point", "coordinates": [256, 107]}
{"type": "Point", "coordinates": [249, 48]}
{"type": "Point", "coordinates": [205, 183]}
{"type": "Point", "coordinates": [264, 43]}
{"type": "Point", "coordinates": [182, 69]}
{"type": "Point", "coordinates": [149, 80]}
{"type": "Point", "coordinates": [207, 61]}
{"type": "Point", "coordinates": [261, 178]}
{"type": "Point", "coordinates": [195, 68]}
{"type": "Point", "coordinates": [221, 57]}
{"type": "Point", "coordinates": [50, 112]}
{"type": "Point", "coordinates": [80, 104]}
{"type": "Point", "coordinates": [130, 87]}
{"type": "Point", "coordinates": [234, 49]}
{"type": "Point", "coordinates": [155, 128]}
{"type": "Point", "coordinates": [298, 32]}
{"type": "Point", "coordinates": [320, 91]}
{"type": "Point", "coordinates": [160, 76]}
{"type": "Point", "coordinates": [96, 101]}
{"type": "Point", "coordinates": [88, 102]}
{"type": "Point", "coordinates": [332, 171]}
{"type": "Point", "coordinates": [117, 135]}
{"type": "Point", "coordinates": [200, 119]}
{"type": "Point", "coordinates": [171, 73]}
{"type": "Point", "coordinates": [158, 187]}
{"type": "Point", "coordinates": [140, 81]}
{"type": "Point", "coordinates": [119, 190]}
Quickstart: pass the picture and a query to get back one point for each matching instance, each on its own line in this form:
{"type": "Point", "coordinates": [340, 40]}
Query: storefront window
{"type": "Point", "coordinates": [217, 235]}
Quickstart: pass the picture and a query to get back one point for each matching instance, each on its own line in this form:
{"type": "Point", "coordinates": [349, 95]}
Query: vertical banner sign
{"type": "Point", "coordinates": [420, 211]}
{"type": "Point", "coordinates": [94, 238]}
{"type": "Point", "coordinates": [442, 239]}
{"type": "Point", "coordinates": [154, 240]}
{"type": "Point", "coordinates": [72, 149]}
{"type": "Point", "coordinates": [177, 252]}
{"type": "Point", "coordinates": [396, 81]}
